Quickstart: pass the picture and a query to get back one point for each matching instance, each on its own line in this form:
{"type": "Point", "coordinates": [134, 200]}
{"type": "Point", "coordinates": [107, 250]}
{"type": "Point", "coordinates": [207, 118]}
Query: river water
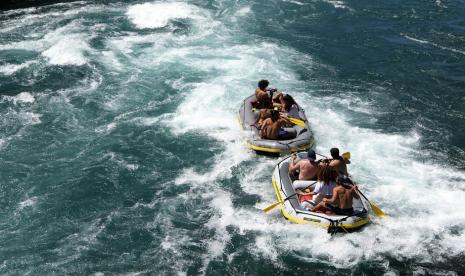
{"type": "Point", "coordinates": [120, 152]}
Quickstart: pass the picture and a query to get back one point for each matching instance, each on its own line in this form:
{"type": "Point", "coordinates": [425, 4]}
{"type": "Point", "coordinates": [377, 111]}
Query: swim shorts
{"type": "Point", "coordinates": [282, 134]}
{"type": "Point", "coordinates": [339, 211]}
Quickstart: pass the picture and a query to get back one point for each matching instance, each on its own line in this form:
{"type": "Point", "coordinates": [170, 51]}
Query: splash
{"type": "Point", "coordinates": [158, 15]}
{"type": "Point", "coordinates": [68, 50]}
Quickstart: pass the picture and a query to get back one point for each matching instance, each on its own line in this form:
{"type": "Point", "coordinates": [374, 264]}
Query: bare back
{"type": "Point", "coordinates": [262, 97]}
{"type": "Point", "coordinates": [307, 170]}
{"type": "Point", "coordinates": [270, 129]}
{"type": "Point", "coordinates": [339, 165]}
{"type": "Point", "coordinates": [345, 196]}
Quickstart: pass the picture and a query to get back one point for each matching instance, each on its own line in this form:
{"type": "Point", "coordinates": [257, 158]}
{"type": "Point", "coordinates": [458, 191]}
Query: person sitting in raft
{"type": "Point", "coordinates": [263, 114]}
{"type": "Point", "coordinates": [341, 203]}
{"type": "Point", "coordinates": [323, 189]}
{"type": "Point", "coordinates": [272, 128]}
{"type": "Point", "coordinates": [308, 168]}
{"type": "Point", "coordinates": [338, 163]}
{"type": "Point", "coordinates": [263, 99]}
{"type": "Point", "coordinates": [289, 106]}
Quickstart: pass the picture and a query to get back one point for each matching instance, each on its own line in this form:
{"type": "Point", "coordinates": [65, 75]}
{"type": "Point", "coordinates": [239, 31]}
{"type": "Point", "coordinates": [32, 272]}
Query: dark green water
{"type": "Point", "coordinates": [120, 153]}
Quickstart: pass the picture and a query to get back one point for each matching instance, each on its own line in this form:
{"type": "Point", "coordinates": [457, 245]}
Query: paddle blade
{"type": "Point", "coordinates": [271, 207]}
{"type": "Point", "coordinates": [378, 212]}
{"type": "Point", "coordinates": [297, 121]}
{"type": "Point", "coordinates": [346, 155]}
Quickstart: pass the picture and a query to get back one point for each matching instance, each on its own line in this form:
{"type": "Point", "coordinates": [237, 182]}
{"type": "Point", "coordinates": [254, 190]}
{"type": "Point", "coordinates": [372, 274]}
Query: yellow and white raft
{"type": "Point", "coordinates": [295, 212]}
{"type": "Point", "coordinates": [303, 139]}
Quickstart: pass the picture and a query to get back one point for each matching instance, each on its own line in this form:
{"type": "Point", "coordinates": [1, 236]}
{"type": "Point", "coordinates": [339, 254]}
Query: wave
{"type": "Point", "coordinates": [434, 44]}
{"type": "Point", "coordinates": [158, 15]}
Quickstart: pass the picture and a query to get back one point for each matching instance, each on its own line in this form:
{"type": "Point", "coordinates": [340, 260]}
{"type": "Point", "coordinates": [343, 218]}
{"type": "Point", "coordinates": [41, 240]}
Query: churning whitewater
{"type": "Point", "coordinates": [120, 150]}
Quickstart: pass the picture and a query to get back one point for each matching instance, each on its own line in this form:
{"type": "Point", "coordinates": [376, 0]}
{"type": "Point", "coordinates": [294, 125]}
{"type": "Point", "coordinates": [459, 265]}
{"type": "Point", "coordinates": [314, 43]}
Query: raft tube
{"type": "Point", "coordinates": [295, 212]}
{"type": "Point", "coordinates": [303, 140]}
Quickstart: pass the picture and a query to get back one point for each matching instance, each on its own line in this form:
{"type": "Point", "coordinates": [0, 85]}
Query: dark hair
{"type": "Point", "coordinates": [274, 115]}
{"type": "Point", "coordinates": [263, 84]}
{"type": "Point", "coordinates": [334, 153]}
{"type": "Point", "coordinates": [344, 181]}
{"type": "Point", "coordinates": [288, 102]}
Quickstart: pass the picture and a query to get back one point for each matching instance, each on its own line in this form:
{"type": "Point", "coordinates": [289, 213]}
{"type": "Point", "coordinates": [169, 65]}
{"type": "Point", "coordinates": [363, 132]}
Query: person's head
{"type": "Point", "coordinates": [274, 115]}
{"type": "Point", "coordinates": [311, 155]}
{"type": "Point", "coordinates": [342, 180]}
{"type": "Point", "coordinates": [263, 84]}
{"type": "Point", "coordinates": [334, 153]}
{"type": "Point", "coordinates": [327, 174]}
{"type": "Point", "coordinates": [288, 102]}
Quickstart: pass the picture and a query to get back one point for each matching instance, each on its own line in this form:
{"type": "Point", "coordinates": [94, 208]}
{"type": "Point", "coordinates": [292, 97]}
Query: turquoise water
{"type": "Point", "coordinates": [120, 152]}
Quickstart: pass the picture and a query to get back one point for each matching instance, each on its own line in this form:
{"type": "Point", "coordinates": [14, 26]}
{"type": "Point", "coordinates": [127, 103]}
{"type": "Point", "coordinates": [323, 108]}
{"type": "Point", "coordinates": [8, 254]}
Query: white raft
{"type": "Point", "coordinates": [295, 212]}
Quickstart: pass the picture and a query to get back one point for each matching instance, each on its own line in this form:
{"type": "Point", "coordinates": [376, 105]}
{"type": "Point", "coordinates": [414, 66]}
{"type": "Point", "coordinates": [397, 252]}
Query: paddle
{"type": "Point", "coordinates": [297, 121]}
{"type": "Point", "coordinates": [346, 155]}
{"type": "Point", "coordinates": [378, 212]}
{"type": "Point", "coordinates": [272, 206]}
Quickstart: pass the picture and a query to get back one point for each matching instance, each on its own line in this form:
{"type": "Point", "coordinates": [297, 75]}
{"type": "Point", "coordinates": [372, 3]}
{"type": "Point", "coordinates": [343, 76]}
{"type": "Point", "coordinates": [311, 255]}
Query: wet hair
{"type": "Point", "coordinates": [288, 102]}
{"type": "Point", "coordinates": [327, 174]}
{"type": "Point", "coordinates": [263, 84]}
{"type": "Point", "coordinates": [335, 153]}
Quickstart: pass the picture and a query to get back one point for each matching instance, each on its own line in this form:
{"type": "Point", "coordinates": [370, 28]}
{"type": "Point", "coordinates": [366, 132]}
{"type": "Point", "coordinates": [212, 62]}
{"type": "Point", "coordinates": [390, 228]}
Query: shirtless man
{"type": "Point", "coordinates": [263, 114]}
{"type": "Point", "coordinates": [338, 162]}
{"type": "Point", "coordinates": [272, 127]}
{"type": "Point", "coordinates": [308, 168]}
{"type": "Point", "coordinates": [262, 96]}
{"type": "Point", "coordinates": [342, 199]}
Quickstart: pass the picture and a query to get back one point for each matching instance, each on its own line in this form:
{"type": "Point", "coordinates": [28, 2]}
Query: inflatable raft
{"type": "Point", "coordinates": [303, 140]}
{"type": "Point", "coordinates": [292, 209]}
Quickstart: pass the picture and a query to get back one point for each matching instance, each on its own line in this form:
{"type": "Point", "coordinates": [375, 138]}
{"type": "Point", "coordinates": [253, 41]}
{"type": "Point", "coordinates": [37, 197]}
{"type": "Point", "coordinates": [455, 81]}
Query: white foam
{"type": "Point", "coordinates": [338, 4]}
{"type": "Point", "coordinates": [120, 161]}
{"type": "Point", "coordinates": [10, 69]}
{"type": "Point", "coordinates": [244, 11]}
{"type": "Point", "coordinates": [23, 97]}
{"type": "Point", "coordinates": [110, 58]}
{"type": "Point", "coordinates": [219, 222]}
{"type": "Point", "coordinates": [27, 203]}
{"type": "Point", "coordinates": [44, 16]}
{"type": "Point", "coordinates": [158, 15]}
{"type": "Point", "coordinates": [68, 50]}
{"type": "Point", "coordinates": [66, 45]}
{"type": "Point", "coordinates": [294, 2]}
{"type": "Point", "coordinates": [106, 129]}
{"type": "Point", "coordinates": [30, 118]}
